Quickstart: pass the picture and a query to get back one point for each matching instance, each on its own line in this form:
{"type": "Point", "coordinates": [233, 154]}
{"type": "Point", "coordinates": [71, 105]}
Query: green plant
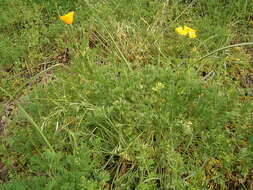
{"type": "Point", "coordinates": [132, 106]}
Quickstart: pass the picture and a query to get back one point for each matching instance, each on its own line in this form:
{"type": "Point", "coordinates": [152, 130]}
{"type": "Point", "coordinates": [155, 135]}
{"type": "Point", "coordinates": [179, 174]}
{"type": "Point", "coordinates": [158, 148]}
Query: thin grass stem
{"type": "Point", "coordinates": [29, 118]}
{"type": "Point", "coordinates": [223, 48]}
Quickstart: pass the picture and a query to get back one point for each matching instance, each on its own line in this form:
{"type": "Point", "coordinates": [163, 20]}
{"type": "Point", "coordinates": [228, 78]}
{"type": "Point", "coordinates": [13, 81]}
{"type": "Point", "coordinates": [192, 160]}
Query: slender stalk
{"type": "Point", "coordinates": [30, 119]}
{"type": "Point", "coordinates": [37, 128]}
{"type": "Point", "coordinates": [223, 48]}
{"type": "Point", "coordinates": [118, 49]}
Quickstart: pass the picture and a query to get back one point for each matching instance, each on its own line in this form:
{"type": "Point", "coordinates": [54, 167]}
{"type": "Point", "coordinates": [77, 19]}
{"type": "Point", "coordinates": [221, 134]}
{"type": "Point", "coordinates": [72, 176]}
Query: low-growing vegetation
{"type": "Point", "coordinates": [123, 94]}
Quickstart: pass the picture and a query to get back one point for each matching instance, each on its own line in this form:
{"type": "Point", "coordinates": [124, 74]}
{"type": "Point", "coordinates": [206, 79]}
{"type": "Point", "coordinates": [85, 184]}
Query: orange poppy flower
{"type": "Point", "coordinates": [68, 18]}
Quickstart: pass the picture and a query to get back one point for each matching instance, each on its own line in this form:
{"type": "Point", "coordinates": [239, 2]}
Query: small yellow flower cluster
{"type": "Point", "coordinates": [185, 30]}
{"type": "Point", "coordinates": [158, 86]}
{"type": "Point", "coordinates": [186, 126]}
{"type": "Point", "coordinates": [68, 18]}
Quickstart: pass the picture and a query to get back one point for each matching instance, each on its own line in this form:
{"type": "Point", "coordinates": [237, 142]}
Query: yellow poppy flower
{"type": "Point", "coordinates": [188, 29]}
{"type": "Point", "coordinates": [68, 18]}
{"type": "Point", "coordinates": [181, 31]}
{"type": "Point", "coordinates": [192, 34]}
{"type": "Point", "coordinates": [185, 30]}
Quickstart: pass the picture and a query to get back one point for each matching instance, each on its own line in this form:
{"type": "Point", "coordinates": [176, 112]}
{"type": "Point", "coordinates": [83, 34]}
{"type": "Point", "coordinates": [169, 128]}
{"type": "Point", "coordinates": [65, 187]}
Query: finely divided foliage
{"type": "Point", "coordinates": [123, 94]}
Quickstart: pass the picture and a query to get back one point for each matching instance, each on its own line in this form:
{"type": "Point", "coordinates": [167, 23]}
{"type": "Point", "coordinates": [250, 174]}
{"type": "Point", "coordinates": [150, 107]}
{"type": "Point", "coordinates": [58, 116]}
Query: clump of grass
{"type": "Point", "coordinates": [149, 127]}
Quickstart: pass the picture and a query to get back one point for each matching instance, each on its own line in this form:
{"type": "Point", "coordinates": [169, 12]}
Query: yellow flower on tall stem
{"type": "Point", "coordinates": [68, 18]}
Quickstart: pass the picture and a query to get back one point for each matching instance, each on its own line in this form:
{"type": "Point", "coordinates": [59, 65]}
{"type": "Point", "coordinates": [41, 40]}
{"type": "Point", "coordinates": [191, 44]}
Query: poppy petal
{"type": "Point", "coordinates": [192, 34]}
{"type": "Point", "coordinates": [181, 31]}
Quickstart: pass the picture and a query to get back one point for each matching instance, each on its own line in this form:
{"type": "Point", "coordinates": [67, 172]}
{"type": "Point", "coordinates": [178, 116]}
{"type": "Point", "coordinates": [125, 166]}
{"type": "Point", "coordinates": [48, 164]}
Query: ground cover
{"type": "Point", "coordinates": [123, 98]}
